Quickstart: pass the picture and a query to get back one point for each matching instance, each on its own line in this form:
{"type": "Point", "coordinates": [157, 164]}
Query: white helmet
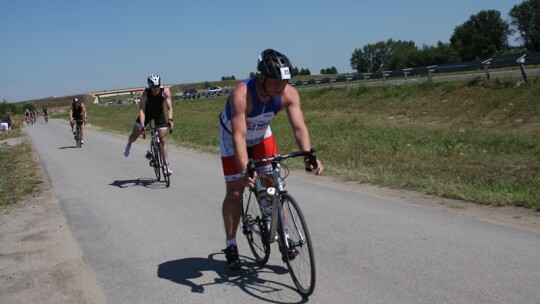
{"type": "Point", "coordinates": [154, 80]}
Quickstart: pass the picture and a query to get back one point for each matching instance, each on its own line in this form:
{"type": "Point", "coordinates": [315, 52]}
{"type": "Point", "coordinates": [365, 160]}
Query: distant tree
{"type": "Point", "coordinates": [331, 70]}
{"type": "Point", "coordinates": [483, 35]}
{"type": "Point", "coordinates": [368, 59]}
{"type": "Point", "coordinates": [254, 74]}
{"type": "Point", "coordinates": [401, 54]}
{"type": "Point", "coordinates": [9, 107]}
{"type": "Point", "coordinates": [526, 18]}
{"type": "Point", "coordinates": [384, 55]}
{"type": "Point", "coordinates": [228, 78]}
{"type": "Point", "coordinates": [440, 54]}
{"type": "Point", "coordinates": [305, 72]}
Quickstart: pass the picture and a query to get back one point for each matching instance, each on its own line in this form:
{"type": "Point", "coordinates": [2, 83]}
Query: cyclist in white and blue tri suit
{"type": "Point", "coordinates": [245, 132]}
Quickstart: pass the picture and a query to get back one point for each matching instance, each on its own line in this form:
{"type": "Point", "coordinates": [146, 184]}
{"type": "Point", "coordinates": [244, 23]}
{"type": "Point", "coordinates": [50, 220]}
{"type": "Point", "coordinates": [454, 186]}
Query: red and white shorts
{"type": "Point", "coordinates": [261, 148]}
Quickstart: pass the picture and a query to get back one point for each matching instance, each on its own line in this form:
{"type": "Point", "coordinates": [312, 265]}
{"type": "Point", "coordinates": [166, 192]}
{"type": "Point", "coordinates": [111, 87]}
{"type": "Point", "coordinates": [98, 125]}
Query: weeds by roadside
{"type": "Point", "coordinates": [18, 171]}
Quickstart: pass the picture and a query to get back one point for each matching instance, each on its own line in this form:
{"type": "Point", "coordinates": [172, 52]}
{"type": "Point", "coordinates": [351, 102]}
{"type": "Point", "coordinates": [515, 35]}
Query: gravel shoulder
{"type": "Point", "coordinates": [40, 261]}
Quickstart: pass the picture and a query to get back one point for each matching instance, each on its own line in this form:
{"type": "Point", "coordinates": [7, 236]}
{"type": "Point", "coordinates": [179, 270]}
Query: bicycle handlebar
{"type": "Point", "coordinates": [311, 157]}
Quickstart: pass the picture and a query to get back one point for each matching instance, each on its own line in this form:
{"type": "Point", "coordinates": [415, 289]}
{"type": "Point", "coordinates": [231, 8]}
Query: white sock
{"type": "Point", "coordinates": [230, 242]}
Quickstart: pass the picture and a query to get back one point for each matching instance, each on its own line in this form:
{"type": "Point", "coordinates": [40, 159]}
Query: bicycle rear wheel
{"type": "Point", "coordinates": [254, 229]}
{"type": "Point", "coordinates": [301, 261]}
{"type": "Point", "coordinates": [155, 159]}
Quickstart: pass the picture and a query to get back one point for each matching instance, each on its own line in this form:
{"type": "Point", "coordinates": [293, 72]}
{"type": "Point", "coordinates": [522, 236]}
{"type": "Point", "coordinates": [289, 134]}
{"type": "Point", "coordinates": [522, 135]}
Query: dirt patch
{"type": "Point", "coordinates": [40, 262]}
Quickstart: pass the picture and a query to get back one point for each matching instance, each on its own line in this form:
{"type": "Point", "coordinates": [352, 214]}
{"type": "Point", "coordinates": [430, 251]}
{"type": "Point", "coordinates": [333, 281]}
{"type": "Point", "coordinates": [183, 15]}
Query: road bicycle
{"type": "Point", "coordinates": [285, 223]}
{"type": "Point", "coordinates": [155, 156]}
{"type": "Point", "coordinates": [77, 135]}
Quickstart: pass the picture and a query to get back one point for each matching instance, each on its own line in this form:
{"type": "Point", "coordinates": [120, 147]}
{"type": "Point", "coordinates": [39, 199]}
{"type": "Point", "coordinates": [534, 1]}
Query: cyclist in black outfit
{"type": "Point", "coordinates": [77, 114]}
{"type": "Point", "coordinates": [151, 108]}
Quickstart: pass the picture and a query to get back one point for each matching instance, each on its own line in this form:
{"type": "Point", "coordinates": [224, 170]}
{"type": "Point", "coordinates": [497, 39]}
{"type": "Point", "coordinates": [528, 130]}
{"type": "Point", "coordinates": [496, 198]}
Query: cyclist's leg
{"type": "Point", "coordinates": [164, 146]}
{"type": "Point", "coordinates": [135, 133]}
{"type": "Point", "coordinates": [161, 122]}
{"type": "Point", "coordinates": [232, 203]}
{"type": "Point", "coordinates": [266, 148]}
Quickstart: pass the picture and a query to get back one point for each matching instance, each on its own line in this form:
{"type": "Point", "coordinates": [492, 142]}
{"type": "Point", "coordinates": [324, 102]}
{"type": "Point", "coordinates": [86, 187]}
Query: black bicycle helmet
{"type": "Point", "coordinates": [273, 64]}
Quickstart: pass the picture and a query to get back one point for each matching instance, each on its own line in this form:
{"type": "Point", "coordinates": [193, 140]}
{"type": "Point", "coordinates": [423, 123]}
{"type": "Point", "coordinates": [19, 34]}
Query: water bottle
{"type": "Point", "coordinates": [269, 200]}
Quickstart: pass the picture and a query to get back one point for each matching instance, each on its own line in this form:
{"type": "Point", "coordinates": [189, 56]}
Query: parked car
{"type": "Point", "coordinates": [191, 94]}
{"type": "Point", "coordinates": [214, 91]}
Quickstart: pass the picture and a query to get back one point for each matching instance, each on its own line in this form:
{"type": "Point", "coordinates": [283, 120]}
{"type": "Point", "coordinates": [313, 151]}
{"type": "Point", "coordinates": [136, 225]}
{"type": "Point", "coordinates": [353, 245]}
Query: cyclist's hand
{"type": "Point", "coordinates": [318, 168]}
{"type": "Point", "coordinates": [85, 122]}
{"type": "Point", "coordinates": [171, 125]}
{"type": "Point", "coordinates": [247, 180]}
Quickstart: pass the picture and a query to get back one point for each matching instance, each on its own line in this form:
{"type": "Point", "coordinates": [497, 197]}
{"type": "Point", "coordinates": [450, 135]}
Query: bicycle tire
{"type": "Point", "coordinates": [255, 231]}
{"type": "Point", "coordinates": [155, 156]}
{"type": "Point", "coordinates": [78, 136]}
{"type": "Point", "coordinates": [165, 170]}
{"type": "Point", "coordinates": [302, 267]}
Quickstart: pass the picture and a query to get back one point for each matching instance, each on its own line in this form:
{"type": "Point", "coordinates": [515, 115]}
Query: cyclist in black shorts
{"type": "Point", "coordinates": [77, 114]}
{"type": "Point", "coordinates": [151, 108]}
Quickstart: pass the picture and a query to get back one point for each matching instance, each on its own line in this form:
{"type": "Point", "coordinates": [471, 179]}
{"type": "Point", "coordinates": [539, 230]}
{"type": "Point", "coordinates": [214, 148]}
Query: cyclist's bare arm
{"type": "Point", "coordinates": [291, 102]}
{"type": "Point", "coordinates": [168, 101]}
{"type": "Point", "coordinates": [239, 110]}
{"type": "Point", "coordinates": [142, 105]}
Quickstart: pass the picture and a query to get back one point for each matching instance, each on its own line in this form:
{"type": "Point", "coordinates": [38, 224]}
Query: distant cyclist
{"type": "Point", "coordinates": [77, 115]}
{"type": "Point", "coordinates": [5, 124]}
{"type": "Point", "coordinates": [27, 116]}
{"type": "Point", "coordinates": [151, 105]}
{"type": "Point", "coordinates": [245, 132]}
{"type": "Point", "coordinates": [45, 112]}
{"type": "Point", "coordinates": [33, 115]}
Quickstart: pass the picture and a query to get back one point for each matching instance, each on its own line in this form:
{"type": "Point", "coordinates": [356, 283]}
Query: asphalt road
{"type": "Point", "coordinates": [151, 244]}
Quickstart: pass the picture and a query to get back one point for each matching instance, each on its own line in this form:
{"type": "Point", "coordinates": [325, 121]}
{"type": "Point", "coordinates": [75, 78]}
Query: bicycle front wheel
{"type": "Point", "coordinates": [165, 170]}
{"type": "Point", "coordinates": [78, 136]}
{"type": "Point", "coordinates": [299, 257]}
{"type": "Point", "coordinates": [155, 159]}
{"type": "Point", "coordinates": [255, 231]}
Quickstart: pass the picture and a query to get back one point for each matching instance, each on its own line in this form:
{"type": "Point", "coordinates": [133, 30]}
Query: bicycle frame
{"type": "Point", "coordinates": [277, 208]}
{"type": "Point", "coordinates": [78, 124]}
{"type": "Point", "coordinates": [287, 224]}
{"type": "Point", "coordinates": [157, 159]}
{"type": "Point", "coordinates": [279, 186]}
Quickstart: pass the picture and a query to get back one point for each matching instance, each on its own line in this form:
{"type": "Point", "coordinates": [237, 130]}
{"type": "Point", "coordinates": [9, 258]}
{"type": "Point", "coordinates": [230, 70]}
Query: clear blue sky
{"type": "Point", "coordinates": [66, 47]}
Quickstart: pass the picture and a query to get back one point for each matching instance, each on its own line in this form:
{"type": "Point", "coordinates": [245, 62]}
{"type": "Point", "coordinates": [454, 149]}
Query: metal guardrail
{"type": "Point", "coordinates": [429, 72]}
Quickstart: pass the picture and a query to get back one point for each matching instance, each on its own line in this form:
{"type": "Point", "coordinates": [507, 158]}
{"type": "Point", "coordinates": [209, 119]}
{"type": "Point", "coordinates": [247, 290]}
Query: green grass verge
{"type": "Point", "coordinates": [18, 172]}
{"type": "Point", "coordinates": [472, 141]}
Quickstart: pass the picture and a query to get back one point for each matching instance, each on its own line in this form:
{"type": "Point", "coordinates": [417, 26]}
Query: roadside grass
{"type": "Point", "coordinates": [18, 170]}
{"type": "Point", "coordinates": [475, 141]}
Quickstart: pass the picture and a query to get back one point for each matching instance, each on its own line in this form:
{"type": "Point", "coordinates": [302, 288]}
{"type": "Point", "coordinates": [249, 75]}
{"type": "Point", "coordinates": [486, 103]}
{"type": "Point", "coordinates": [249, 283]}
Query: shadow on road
{"type": "Point", "coordinates": [144, 182]}
{"type": "Point", "coordinates": [187, 271]}
{"type": "Point", "coordinates": [68, 147]}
